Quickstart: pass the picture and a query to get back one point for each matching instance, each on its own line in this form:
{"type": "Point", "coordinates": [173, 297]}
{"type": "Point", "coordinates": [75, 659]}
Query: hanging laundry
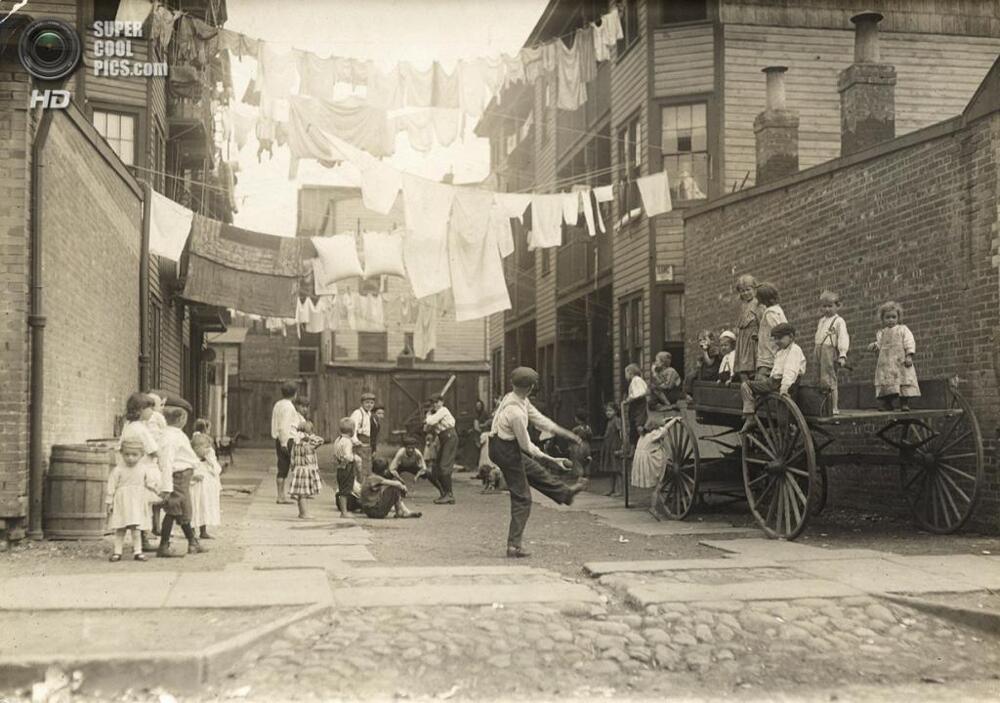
{"type": "Point", "coordinates": [479, 80]}
{"type": "Point", "coordinates": [169, 227]}
{"type": "Point", "coordinates": [655, 192]}
{"type": "Point", "coordinates": [419, 128]}
{"type": "Point", "coordinates": [588, 208]}
{"type": "Point", "coordinates": [339, 257]}
{"type": "Point", "coordinates": [251, 96]}
{"type": "Point", "coordinates": [246, 250]}
{"type": "Point", "coordinates": [380, 185]}
{"type": "Point", "coordinates": [279, 76]}
{"type": "Point", "coordinates": [162, 27]}
{"type": "Point", "coordinates": [425, 329]}
{"type": "Point", "coordinates": [242, 124]}
{"type": "Point", "coordinates": [571, 208]}
{"type": "Point", "coordinates": [351, 71]}
{"type": "Point", "coordinates": [500, 229]}
{"type": "Point", "coordinates": [514, 204]}
{"type": "Point", "coordinates": [317, 316]}
{"type": "Point", "coordinates": [319, 274]}
{"type": "Point", "coordinates": [550, 56]}
{"type": "Point", "coordinates": [317, 76]}
{"type": "Point", "coordinates": [369, 312]}
{"type": "Point", "coordinates": [477, 280]}
{"type": "Point", "coordinates": [133, 11]}
{"type": "Point", "coordinates": [418, 85]}
{"type": "Point", "coordinates": [427, 205]}
{"type": "Point", "coordinates": [607, 34]}
{"type": "Point", "coordinates": [604, 194]}
{"type": "Point", "coordinates": [384, 254]}
{"type": "Point", "coordinates": [385, 88]}
{"type": "Point", "coordinates": [546, 221]}
{"type": "Point", "coordinates": [572, 91]}
{"type": "Point", "coordinates": [218, 283]}
{"type": "Point", "coordinates": [447, 124]}
{"type": "Point", "coordinates": [531, 59]}
{"type": "Point", "coordinates": [351, 120]}
{"type": "Point", "coordinates": [446, 88]}
{"type": "Point", "coordinates": [303, 309]}
{"type": "Point", "coordinates": [513, 70]}
{"type": "Point", "coordinates": [583, 42]}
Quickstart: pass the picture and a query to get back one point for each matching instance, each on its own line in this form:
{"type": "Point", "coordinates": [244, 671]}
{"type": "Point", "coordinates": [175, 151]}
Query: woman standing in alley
{"type": "Point", "coordinates": [441, 422]}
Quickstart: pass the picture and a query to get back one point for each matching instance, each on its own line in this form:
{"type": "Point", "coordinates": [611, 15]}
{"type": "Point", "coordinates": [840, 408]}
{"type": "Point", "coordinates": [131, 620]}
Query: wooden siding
{"type": "Point", "coordinates": [64, 10]}
{"type": "Point", "coordinates": [936, 76]}
{"type": "Point", "coordinates": [545, 176]}
{"type": "Point", "coordinates": [969, 17]}
{"type": "Point", "coordinates": [683, 60]}
{"type": "Point", "coordinates": [116, 89]}
{"type": "Point", "coordinates": [670, 243]}
{"type": "Point", "coordinates": [629, 94]}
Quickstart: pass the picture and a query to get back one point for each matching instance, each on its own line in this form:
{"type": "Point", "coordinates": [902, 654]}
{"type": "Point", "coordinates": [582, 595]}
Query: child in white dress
{"type": "Point", "coordinates": [206, 486]}
{"type": "Point", "coordinates": [895, 375]}
{"type": "Point", "coordinates": [832, 345]}
{"type": "Point", "coordinates": [132, 486]}
{"type": "Point", "coordinates": [140, 414]}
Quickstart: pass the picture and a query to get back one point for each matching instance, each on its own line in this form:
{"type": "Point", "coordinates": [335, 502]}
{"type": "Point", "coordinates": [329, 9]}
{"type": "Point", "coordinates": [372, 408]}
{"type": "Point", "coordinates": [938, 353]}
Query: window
{"type": "Point", "coordinates": [105, 10]}
{"type": "Point", "coordinates": [631, 333]}
{"type": "Point", "coordinates": [407, 344]}
{"type": "Point", "coordinates": [308, 361]}
{"type": "Point", "coordinates": [155, 320]}
{"type": "Point", "coordinates": [675, 11]}
{"type": "Point", "coordinates": [673, 317]}
{"type": "Point", "coordinates": [685, 150]}
{"type": "Point", "coordinates": [373, 346]}
{"type": "Point", "coordinates": [630, 26]}
{"type": "Point", "coordinates": [629, 167]}
{"type": "Point", "coordinates": [118, 130]}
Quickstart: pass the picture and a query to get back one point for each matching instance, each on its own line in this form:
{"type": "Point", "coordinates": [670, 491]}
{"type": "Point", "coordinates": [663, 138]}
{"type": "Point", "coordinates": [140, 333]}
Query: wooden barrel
{"type": "Point", "coordinates": [75, 489]}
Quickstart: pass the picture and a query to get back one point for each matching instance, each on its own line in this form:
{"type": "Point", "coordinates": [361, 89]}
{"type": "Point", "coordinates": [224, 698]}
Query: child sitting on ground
{"type": "Point", "coordinates": [727, 348]}
{"type": "Point", "coordinates": [178, 462]}
{"type": "Point", "coordinates": [304, 475]}
{"type": "Point", "coordinates": [380, 494]}
{"type": "Point", "coordinates": [665, 384]}
{"type": "Point", "coordinates": [773, 315]}
{"type": "Point", "coordinates": [895, 375]}
{"type": "Point", "coordinates": [832, 345]}
{"type": "Point", "coordinates": [345, 463]}
{"type": "Point", "coordinates": [206, 486]}
{"type": "Point", "coordinates": [132, 486]}
{"type": "Point", "coordinates": [789, 366]}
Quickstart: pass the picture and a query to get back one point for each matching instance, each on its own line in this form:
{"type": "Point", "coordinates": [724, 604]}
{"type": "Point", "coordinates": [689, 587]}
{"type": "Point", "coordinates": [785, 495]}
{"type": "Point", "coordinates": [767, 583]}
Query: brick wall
{"type": "Point", "coordinates": [269, 357]}
{"type": "Point", "coordinates": [912, 220]}
{"type": "Point", "coordinates": [15, 165]}
{"type": "Point", "coordinates": [91, 229]}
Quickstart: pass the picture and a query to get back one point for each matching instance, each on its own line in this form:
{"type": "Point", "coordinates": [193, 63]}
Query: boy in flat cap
{"type": "Point", "coordinates": [519, 459]}
{"type": "Point", "coordinates": [363, 428]}
{"type": "Point", "coordinates": [789, 367]}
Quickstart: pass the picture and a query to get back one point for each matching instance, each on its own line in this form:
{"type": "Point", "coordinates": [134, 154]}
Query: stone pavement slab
{"type": "Point", "coordinates": [641, 522]}
{"type": "Point", "coordinates": [298, 537]}
{"type": "Point", "coordinates": [792, 589]}
{"type": "Point", "coordinates": [477, 594]}
{"type": "Point", "coordinates": [229, 589]}
{"type": "Point", "coordinates": [783, 551]}
{"type": "Point", "coordinates": [86, 591]}
{"type": "Point", "coordinates": [599, 568]}
{"type": "Point", "coordinates": [404, 572]}
{"type": "Point", "coordinates": [883, 576]}
{"type": "Point", "coordinates": [971, 569]}
{"type": "Point", "coordinates": [328, 557]}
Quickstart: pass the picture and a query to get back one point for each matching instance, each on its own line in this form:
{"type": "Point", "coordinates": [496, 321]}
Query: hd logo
{"type": "Point", "coordinates": [49, 99]}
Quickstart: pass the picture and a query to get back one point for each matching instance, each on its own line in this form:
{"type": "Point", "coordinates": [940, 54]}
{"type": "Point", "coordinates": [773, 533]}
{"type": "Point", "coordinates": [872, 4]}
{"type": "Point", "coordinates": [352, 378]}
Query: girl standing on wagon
{"type": "Point", "coordinates": [895, 375]}
{"type": "Point", "coordinates": [747, 329]}
{"type": "Point", "coordinates": [773, 315]}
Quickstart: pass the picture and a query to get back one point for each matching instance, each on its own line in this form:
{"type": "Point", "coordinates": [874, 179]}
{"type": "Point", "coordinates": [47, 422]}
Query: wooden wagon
{"type": "Point", "coordinates": [780, 467]}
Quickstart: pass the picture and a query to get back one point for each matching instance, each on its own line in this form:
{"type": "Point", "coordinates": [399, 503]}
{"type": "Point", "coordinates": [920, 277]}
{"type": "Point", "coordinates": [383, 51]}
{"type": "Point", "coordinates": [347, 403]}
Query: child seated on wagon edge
{"type": "Point", "coordinates": [789, 367]}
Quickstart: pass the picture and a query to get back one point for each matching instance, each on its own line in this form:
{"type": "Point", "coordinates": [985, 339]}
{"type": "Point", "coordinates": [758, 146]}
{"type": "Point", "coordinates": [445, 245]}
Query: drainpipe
{"type": "Point", "coordinates": [147, 206]}
{"type": "Point", "coordinates": [36, 325]}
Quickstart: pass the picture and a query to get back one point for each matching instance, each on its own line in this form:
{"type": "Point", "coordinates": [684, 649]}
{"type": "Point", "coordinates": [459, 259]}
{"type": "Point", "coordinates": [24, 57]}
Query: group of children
{"type": "Point", "coordinates": [162, 478]}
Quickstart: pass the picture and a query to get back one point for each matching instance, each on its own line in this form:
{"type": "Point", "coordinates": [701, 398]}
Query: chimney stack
{"type": "Point", "coordinates": [867, 91]}
{"type": "Point", "coordinates": [777, 131]}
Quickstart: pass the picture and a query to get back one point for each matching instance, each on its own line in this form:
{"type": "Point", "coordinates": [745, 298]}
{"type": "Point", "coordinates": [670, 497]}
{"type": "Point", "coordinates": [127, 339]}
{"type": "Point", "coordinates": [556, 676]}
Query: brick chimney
{"type": "Point", "coordinates": [867, 91]}
{"type": "Point", "coordinates": [777, 131]}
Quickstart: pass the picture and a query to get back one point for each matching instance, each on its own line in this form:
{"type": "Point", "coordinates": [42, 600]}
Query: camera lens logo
{"type": "Point", "coordinates": [49, 49]}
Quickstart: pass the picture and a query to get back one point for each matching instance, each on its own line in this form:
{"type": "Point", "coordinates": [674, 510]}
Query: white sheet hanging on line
{"type": "Point", "coordinates": [546, 221]}
{"type": "Point", "coordinates": [169, 227]}
{"type": "Point", "coordinates": [477, 281]}
{"type": "Point", "coordinates": [425, 329]}
{"type": "Point", "coordinates": [500, 229]}
{"type": "Point", "coordinates": [655, 192]}
{"type": "Point", "coordinates": [425, 247]}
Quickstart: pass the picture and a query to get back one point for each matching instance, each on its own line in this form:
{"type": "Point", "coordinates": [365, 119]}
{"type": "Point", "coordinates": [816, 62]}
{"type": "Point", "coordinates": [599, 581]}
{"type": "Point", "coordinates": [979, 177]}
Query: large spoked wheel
{"type": "Point", "coordinates": [677, 491]}
{"type": "Point", "coordinates": [941, 465]}
{"type": "Point", "coordinates": [779, 468]}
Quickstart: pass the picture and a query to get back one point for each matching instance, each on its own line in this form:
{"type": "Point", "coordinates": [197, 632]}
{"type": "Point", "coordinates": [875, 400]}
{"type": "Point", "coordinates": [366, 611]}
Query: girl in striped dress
{"type": "Point", "coordinates": [747, 329]}
{"type": "Point", "coordinates": [305, 479]}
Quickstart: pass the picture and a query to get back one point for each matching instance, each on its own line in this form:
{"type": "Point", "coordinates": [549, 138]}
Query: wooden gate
{"type": "Point", "coordinates": [249, 407]}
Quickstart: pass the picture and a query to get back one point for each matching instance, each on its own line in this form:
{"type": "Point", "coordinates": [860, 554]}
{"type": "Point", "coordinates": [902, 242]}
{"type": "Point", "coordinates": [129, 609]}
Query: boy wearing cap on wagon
{"type": "Point", "coordinates": [519, 459]}
{"type": "Point", "coordinates": [789, 367]}
{"type": "Point", "coordinates": [363, 427]}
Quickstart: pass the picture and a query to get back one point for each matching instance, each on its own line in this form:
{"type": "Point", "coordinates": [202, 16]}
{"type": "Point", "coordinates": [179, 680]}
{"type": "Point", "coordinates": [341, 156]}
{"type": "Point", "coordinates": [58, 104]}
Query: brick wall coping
{"type": "Point", "coordinates": [90, 133]}
{"type": "Point", "coordinates": [927, 134]}
{"type": "Point", "coordinates": [479, 366]}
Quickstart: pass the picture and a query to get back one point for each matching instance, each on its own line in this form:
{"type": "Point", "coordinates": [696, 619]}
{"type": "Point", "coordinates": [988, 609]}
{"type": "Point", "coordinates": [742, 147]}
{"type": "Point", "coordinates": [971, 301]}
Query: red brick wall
{"type": "Point", "coordinates": [91, 233]}
{"type": "Point", "coordinates": [15, 164]}
{"type": "Point", "coordinates": [915, 221]}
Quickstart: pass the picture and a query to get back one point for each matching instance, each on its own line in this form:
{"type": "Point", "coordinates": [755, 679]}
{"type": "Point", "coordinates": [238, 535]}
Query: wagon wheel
{"type": "Point", "coordinates": [677, 491]}
{"type": "Point", "coordinates": [821, 440]}
{"type": "Point", "coordinates": [941, 465]}
{"type": "Point", "coordinates": [779, 468]}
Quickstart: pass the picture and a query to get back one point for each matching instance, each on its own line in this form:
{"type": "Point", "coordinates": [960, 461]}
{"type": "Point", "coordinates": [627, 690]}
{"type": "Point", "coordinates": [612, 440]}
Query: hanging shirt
{"type": "Point", "coordinates": [571, 208]}
{"type": "Point", "coordinates": [317, 76]}
{"type": "Point", "coordinates": [584, 43]}
{"type": "Point", "coordinates": [655, 192]}
{"type": "Point", "coordinates": [380, 185]}
{"type": "Point", "coordinates": [531, 59]}
{"type": "Point", "coordinates": [500, 230]}
{"type": "Point", "coordinates": [418, 85]}
{"type": "Point", "coordinates": [427, 205]}
{"type": "Point", "coordinates": [385, 88]}
{"type": "Point", "coordinates": [169, 227]}
{"type": "Point", "coordinates": [279, 76]}
{"type": "Point", "coordinates": [514, 204]}
{"type": "Point", "coordinates": [546, 221]}
{"type": "Point", "coordinates": [446, 88]}
{"type": "Point", "coordinates": [425, 328]}
{"type": "Point", "coordinates": [572, 91]}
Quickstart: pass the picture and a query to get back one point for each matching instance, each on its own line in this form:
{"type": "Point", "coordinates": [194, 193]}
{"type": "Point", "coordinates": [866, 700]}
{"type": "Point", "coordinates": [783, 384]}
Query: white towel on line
{"type": "Point", "coordinates": [169, 227]}
{"type": "Point", "coordinates": [425, 247]}
{"type": "Point", "coordinates": [655, 192]}
{"type": "Point", "coordinates": [546, 221]}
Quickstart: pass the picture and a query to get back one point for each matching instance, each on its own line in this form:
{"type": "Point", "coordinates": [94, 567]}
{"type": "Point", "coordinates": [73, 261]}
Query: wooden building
{"type": "Point", "coordinates": [680, 94]}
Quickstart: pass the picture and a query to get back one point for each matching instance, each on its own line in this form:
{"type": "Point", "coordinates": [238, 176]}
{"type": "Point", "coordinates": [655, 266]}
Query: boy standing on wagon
{"type": "Point", "coordinates": [773, 315]}
{"type": "Point", "coordinates": [789, 367]}
{"type": "Point", "coordinates": [832, 345]}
